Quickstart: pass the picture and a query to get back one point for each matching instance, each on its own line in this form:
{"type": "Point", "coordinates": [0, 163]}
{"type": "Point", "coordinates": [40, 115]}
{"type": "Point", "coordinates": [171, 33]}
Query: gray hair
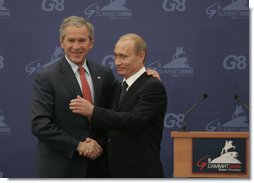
{"type": "Point", "coordinates": [76, 22]}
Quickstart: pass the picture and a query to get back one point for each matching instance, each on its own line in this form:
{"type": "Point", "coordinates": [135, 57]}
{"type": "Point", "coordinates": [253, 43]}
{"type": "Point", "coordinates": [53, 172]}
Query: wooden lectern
{"type": "Point", "coordinates": [183, 153]}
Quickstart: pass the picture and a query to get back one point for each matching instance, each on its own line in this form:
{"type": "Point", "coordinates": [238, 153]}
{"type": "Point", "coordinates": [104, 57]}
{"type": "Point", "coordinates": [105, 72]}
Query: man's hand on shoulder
{"type": "Point", "coordinates": [153, 73]}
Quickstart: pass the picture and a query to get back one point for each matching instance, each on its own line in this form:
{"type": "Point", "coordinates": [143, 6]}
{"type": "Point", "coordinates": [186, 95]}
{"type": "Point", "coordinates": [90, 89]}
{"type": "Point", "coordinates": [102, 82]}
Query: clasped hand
{"type": "Point", "coordinates": [90, 149]}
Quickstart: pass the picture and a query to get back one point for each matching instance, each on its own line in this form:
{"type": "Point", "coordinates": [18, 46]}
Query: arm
{"type": "Point", "coordinates": [43, 114]}
{"type": "Point", "coordinates": [151, 103]}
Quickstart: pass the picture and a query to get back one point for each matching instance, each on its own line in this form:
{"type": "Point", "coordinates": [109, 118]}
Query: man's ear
{"type": "Point", "coordinates": [61, 42]}
{"type": "Point", "coordinates": [141, 57]}
{"type": "Point", "coordinates": [92, 42]}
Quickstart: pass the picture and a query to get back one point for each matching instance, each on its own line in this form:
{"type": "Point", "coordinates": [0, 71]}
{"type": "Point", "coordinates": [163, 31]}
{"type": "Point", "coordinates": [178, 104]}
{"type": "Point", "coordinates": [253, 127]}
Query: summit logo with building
{"type": "Point", "coordinates": [116, 9]}
{"type": "Point", "coordinates": [237, 9]}
{"type": "Point", "coordinates": [36, 65]}
{"type": "Point", "coordinates": [178, 66]}
{"type": "Point", "coordinates": [219, 155]}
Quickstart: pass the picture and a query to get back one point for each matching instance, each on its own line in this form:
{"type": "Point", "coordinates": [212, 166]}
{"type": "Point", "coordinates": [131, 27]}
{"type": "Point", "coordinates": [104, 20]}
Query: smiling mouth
{"type": "Point", "coordinates": [76, 53]}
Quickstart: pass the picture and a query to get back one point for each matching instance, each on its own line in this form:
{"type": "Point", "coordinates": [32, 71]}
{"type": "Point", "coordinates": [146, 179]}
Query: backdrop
{"type": "Point", "coordinates": [198, 47]}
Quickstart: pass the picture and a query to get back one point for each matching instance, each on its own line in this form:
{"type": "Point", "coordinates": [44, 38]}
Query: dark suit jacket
{"type": "Point", "coordinates": [135, 129]}
{"type": "Point", "coordinates": [58, 129]}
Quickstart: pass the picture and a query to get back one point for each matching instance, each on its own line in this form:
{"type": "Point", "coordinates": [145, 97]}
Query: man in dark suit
{"type": "Point", "coordinates": [62, 135]}
{"type": "Point", "coordinates": [135, 122]}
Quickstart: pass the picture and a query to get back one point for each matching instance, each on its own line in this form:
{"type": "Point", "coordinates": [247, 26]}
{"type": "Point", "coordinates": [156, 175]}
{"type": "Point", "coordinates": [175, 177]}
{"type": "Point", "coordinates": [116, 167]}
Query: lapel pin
{"type": "Point", "coordinates": [98, 77]}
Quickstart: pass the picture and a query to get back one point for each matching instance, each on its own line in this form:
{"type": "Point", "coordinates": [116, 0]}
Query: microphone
{"type": "Point", "coordinates": [204, 96]}
{"type": "Point", "coordinates": [238, 99]}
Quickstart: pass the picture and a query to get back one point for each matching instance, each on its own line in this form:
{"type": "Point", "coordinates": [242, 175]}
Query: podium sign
{"type": "Point", "coordinates": [223, 155]}
{"type": "Point", "coordinates": [211, 154]}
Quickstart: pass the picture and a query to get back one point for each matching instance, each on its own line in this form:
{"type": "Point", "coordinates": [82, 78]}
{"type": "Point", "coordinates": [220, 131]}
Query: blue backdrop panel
{"type": "Point", "coordinates": [197, 46]}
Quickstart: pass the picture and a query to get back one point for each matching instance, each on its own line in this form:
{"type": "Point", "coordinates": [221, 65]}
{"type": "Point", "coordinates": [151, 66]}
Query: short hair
{"type": "Point", "coordinates": [139, 42]}
{"type": "Point", "coordinates": [76, 22]}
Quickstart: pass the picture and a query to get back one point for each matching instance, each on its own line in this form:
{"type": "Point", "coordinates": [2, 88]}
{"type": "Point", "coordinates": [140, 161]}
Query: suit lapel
{"type": "Point", "coordinates": [115, 96]}
{"type": "Point", "coordinates": [134, 87]}
{"type": "Point", "coordinates": [96, 78]}
{"type": "Point", "coordinates": [69, 79]}
{"type": "Point", "coordinates": [71, 83]}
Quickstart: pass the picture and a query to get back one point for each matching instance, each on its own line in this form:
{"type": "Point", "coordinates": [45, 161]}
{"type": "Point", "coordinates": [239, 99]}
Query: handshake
{"type": "Point", "coordinates": [89, 149]}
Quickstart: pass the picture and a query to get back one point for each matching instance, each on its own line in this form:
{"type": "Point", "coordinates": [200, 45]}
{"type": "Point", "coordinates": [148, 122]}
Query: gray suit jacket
{"type": "Point", "coordinates": [58, 129]}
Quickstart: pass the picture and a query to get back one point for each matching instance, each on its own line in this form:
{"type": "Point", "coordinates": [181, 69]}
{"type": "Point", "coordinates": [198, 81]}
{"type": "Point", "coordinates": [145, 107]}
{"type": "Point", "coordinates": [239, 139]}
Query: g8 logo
{"type": "Point", "coordinates": [109, 61]}
{"type": "Point", "coordinates": [173, 120]}
{"type": "Point", "coordinates": [175, 5]}
{"type": "Point", "coordinates": [51, 5]}
{"type": "Point", "coordinates": [232, 62]}
{"type": "Point", "coordinates": [1, 62]}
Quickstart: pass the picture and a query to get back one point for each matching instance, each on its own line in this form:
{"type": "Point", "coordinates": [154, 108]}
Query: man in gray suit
{"type": "Point", "coordinates": [135, 122]}
{"type": "Point", "coordinates": [62, 135]}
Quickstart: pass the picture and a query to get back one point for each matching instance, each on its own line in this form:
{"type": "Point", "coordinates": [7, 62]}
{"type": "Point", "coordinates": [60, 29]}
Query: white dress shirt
{"type": "Point", "coordinates": [134, 77]}
{"type": "Point", "coordinates": [87, 72]}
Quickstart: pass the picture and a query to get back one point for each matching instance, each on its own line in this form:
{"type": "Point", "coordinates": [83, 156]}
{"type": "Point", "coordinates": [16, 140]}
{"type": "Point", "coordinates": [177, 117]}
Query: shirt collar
{"type": "Point", "coordinates": [134, 77]}
{"type": "Point", "coordinates": [75, 67]}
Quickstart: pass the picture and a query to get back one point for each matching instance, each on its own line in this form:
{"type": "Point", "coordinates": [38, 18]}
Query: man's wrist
{"type": "Point", "coordinates": [79, 146]}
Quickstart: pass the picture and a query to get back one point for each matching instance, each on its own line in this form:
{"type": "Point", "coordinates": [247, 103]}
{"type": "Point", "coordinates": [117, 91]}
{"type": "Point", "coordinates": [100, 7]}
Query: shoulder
{"type": "Point", "coordinates": [100, 70]}
{"type": "Point", "coordinates": [93, 65]}
{"type": "Point", "coordinates": [50, 70]}
{"type": "Point", "coordinates": [150, 80]}
{"type": "Point", "coordinates": [152, 83]}
{"type": "Point", "coordinates": [105, 73]}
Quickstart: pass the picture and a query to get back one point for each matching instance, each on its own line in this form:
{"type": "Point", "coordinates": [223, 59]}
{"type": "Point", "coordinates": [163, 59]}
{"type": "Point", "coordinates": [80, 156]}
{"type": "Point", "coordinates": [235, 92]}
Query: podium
{"type": "Point", "coordinates": [211, 154]}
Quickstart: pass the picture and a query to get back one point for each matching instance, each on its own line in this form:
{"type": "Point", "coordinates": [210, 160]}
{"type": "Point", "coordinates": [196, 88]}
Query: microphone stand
{"type": "Point", "coordinates": [238, 98]}
{"type": "Point", "coordinates": [204, 96]}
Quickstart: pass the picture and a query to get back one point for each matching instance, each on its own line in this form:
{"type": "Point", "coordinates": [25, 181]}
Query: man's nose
{"type": "Point", "coordinates": [117, 61]}
{"type": "Point", "coordinates": [76, 45]}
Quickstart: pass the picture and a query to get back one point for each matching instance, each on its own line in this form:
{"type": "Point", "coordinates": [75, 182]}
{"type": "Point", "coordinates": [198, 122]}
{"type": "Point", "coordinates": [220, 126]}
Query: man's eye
{"type": "Point", "coordinates": [71, 40]}
{"type": "Point", "coordinates": [82, 40]}
{"type": "Point", "coordinates": [123, 56]}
